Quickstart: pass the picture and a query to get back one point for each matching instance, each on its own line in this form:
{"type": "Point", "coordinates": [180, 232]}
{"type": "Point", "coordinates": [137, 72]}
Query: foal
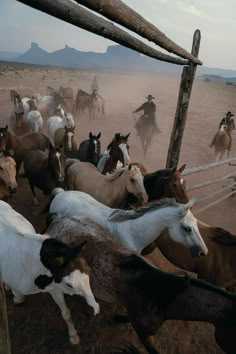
{"type": "Point", "coordinates": [44, 171]}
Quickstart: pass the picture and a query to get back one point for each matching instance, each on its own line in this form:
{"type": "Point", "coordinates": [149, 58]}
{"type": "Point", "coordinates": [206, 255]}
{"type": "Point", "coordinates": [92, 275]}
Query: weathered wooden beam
{"type": "Point", "coordinates": [211, 181]}
{"type": "Point", "coordinates": [71, 12]}
{"type": "Point", "coordinates": [190, 171]}
{"type": "Point", "coordinates": [122, 14]}
{"type": "Point", "coordinates": [200, 210]}
{"type": "Point", "coordinates": [4, 332]}
{"type": "Point", "coordinates": [186, 84]}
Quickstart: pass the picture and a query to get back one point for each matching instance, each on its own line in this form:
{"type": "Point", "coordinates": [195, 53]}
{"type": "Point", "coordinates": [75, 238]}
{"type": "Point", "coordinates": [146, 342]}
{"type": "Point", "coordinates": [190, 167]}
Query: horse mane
{"type": "Point", "coordinates": [123, 215]}
{"type": "Point", "coordinates": [223, 237]}
{"type": "Point", "coordinates": [117, 173]}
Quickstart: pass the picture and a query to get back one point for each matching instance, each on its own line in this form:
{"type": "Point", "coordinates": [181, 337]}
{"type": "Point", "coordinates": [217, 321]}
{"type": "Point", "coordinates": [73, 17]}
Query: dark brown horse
{"type": "Point", "coordinates": [21, 145]}
{"type": "Point", "coordinates": [117, 150]}
{"type": "Point", "coordinates": [166, 183]}
{"type": "Point", "coordinates": [45, 171]}
{"type": "Point", "coordinates": [149, 295]}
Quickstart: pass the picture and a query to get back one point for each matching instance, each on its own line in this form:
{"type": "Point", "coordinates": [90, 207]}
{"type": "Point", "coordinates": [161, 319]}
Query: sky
{"type": "Point", "coordinates": [20, 25]}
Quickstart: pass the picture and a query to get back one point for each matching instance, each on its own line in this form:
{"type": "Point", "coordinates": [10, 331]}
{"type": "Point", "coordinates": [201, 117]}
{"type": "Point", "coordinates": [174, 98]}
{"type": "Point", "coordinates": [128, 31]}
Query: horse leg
{"type": "Point", "coordinates": [58, 297]}
{"type": "Point", "coordinates": [36, 202]}
{"type": "Point", "coordinates": [146, 340]}
{"type": "Point", "coordinates": [17, 297]}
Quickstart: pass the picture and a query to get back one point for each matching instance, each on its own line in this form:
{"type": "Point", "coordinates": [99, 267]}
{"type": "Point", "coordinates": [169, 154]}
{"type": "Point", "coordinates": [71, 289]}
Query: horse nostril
{"type": "Point", "coordinates": [200, 254]}
{"type": "Point", "coordinates": [12, 190]}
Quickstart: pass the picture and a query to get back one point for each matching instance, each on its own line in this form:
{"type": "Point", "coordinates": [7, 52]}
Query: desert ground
{"type": "Point", "coordinates": [37, 326]}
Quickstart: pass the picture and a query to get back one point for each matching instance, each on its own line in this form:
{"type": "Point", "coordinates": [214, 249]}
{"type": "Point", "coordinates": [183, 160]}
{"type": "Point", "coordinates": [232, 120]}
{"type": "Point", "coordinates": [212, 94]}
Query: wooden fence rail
{"type": "Point", "coordinates": [201, 168]}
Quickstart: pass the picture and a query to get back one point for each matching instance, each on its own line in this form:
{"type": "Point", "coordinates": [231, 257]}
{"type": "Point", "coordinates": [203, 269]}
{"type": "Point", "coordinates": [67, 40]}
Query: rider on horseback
{"type": "Point", "coordinates": [229, 122]}
{"type": "Point", "coordinates": [149, 109]}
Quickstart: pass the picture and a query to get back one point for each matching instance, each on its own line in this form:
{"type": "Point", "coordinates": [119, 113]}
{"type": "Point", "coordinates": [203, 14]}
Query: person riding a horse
{"type": "Point", "coordinates": [229, 122]}
{"type": "Point", "coordinates": [149, 109]}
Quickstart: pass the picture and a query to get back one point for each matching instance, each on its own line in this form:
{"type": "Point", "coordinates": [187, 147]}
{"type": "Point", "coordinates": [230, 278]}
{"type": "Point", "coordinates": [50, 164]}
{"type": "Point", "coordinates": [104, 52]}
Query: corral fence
{"type": "Point", "coordinates": [222, 192]}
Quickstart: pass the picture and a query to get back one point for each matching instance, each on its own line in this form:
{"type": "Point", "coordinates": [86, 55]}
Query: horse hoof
{"type": "Point", "coordinates": [74, 339]}
{"type": "Point", "coordinates": [18, 300]}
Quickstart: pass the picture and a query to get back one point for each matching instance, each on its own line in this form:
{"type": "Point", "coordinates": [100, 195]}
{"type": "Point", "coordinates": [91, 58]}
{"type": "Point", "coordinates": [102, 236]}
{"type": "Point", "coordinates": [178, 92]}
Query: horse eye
{"type": "Point", "coordinates": [187, 229]}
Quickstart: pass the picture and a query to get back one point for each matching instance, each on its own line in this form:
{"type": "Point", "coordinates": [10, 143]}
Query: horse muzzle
{"type": "Point", "coordinates": [198, 252]}
{"type": "Point", "coordinates": [12, 190]}
{"type": "Point", "coordinates": [143, 197]}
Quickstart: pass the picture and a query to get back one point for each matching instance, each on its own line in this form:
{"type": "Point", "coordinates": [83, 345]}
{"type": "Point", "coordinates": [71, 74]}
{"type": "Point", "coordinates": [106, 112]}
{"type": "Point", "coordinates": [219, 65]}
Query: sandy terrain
{"type": "Point", "coordinates": [37, 326]}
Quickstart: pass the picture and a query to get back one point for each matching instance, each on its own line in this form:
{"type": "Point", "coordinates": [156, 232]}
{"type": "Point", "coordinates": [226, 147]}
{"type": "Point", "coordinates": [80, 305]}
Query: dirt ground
{"type": "Point", "coordinates": [37, 326]}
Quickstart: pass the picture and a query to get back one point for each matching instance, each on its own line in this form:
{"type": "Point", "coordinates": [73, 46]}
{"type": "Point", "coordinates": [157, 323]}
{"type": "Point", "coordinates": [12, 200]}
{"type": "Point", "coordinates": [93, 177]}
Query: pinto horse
{"type": "Point", "coordinates": [117, 150]}
{"type": "Point", "coordinates": [149, 295]}
{"type": "Point", "coordinates": [8, 182]}
{"type": "Point", "coordinates": [31, 263]}
{"type": "Point", "coordinates": [45, 171]}
{"type": "Point", "coordinates": [21, 145]}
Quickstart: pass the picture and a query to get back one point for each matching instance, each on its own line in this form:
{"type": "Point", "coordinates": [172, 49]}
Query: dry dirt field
{"type": "Point", "coordinates": [37, 326]}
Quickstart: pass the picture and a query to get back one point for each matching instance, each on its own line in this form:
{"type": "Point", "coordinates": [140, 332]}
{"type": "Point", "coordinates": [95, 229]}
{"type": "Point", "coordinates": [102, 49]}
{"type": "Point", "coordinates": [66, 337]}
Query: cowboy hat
{"type": "Point", "coordinates": [150, 97]}
{"type": "Point", "coordinates": [229, 114]}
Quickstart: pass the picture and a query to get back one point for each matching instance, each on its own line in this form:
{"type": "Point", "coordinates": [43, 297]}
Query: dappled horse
{"type": "Point", "coordinates": [136, 229]}
{"type": "Point", "coordinates": [31, 263]}
{"type": "Point", "coordinates": [45, 170]}
{"type": "Point", "coordinates": [111, 190]}
{"type": "Point", "coordinates": [20, 145]}
{"type": "Point", "coordinates": [166, 183]}
{"type": "Point", "coordinates": [149, 295]}
{"type": "Point", "coordinates": [8, 182]}
{"type": "Point", "coordinates": [117, 150]}
{"type": "Point", "coordinates": [222, 142]}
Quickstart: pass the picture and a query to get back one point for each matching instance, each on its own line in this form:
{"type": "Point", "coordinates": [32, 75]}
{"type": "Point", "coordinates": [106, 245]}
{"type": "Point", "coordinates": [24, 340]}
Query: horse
{"type": "Point", "coordinates": [218, 267]}
{"type": "Point", "coordinates": [44, 171]}
{"type": "Point", "coordinates": [222, 143]}
{"type": "Point", "coordinates": [90, 149]}
{"type": "Point", "coordinates": [117, 150]}
{"type": "Point", "coordinates": [64, 137]}
{"type": "Point", "coordinates": [149, 295]}
{"type": "Point", "coordinates": [146, 132]}
{"type": "Point", "coordinates": [34, 121]}
{"type": "Point", "coordinates": [82, 102]}
{"type": "Point", "coordinates": [8, 182]}
{"type": "Point", "coordinates": [138, 228]}
{"type": "Point", "coordinates": [20, 145]}
{"type": "Point", "coordinates": [166, 183]}
{"type": "Point", "coordinates": [18, 116]}
{"type": "Point", "coordinates": [97, 106]}
{"type": "Point", "coordinates": [68, 95]}
{"type": "Point", "coordinates": [31, 263]}
{"type": "Point", "coordinates": [48, 104]}
{"type": "Point", "coordinates": [57, 122]}
{"type": "Point", "coordinates": [111, 190]}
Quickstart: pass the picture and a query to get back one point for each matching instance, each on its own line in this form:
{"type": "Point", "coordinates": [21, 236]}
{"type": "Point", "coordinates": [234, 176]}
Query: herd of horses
{"type": "Point", "coordinates": [105, 213]}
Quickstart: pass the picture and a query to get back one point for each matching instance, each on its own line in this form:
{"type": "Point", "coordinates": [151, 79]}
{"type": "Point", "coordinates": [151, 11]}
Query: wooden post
{"type": "Point", "coordinates": [4, 332]}
{"type": "Point", "coordinates": [186, 84]}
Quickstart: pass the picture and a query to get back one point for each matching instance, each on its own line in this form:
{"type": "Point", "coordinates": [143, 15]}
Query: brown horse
{"type": "Point", "coordinates": [44, 171]}
{"type": "Point", "coordinates": [65, 137]}
{"type": "Point", "coordinates": [222, 142]}
{"type": "Point", "coordinates": [82, 102]}
{"type": "Point", "coordinates": [166, 183]}
{"type": "Point", "coordinates": [117, 150]}
{"type": "Point", "coordinates": [21, 145]}
{"type": "Point", "coordinates": [218, 266]}
{"type": "Point", "coordinates": [68, 95]}
{"type": "Point", "coordinates": [149, 295]}
{"type": "Point", "coordinates": [8, 182]}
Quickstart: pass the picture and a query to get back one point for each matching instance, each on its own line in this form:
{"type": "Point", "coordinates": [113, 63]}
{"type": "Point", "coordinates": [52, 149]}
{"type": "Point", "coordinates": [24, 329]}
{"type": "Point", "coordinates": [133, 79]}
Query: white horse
{"type": "Point", "coordinates": [136, 229]}
{"type": "Point", "coordinates": [57, 122]}
{"type": "Point", "coordinates": [34, 121]}
{"type": "Point", "coordinates": [31, 263]}
{"type": "Point", "coordinates": [97, 106]}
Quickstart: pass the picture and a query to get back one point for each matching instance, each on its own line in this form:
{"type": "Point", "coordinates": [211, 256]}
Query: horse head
{"type": "Point", "coordinates": [94, 148]}
{"type": "Point", "coordinates": [68, 139]}
{"type": "Point", "coordinates": [3, 138]}
{"type": "Point", "coordinates": [8, 171]}
{"type": "Point", "coordinates": [135, 184]}
{"type": "Point", "coordinates": [119, 149]}
{"type": "Point", "coordinates": [56, 161]}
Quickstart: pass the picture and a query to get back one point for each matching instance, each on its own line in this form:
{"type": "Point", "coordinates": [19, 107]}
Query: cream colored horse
{"type": "Point", "coordinates": [111, 190]}
{"type": "Point", "coordinates": [8, 182]}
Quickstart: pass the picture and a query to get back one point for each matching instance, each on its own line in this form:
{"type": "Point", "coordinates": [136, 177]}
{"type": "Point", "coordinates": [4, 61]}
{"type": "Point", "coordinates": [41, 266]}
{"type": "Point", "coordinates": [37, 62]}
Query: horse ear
{"type": "Point", "coordinates": [6, 127]}
{"type": "Point", "coordinates": [66, 129]}
{"type": "Point", "coordinates": [182, 168]}
{"type": "Point", "coordinates": [126, 137]}
{"type": "Point", "coordinates": [188, 206]}
{"type": "Point", "coordinates": [174, 169]}
{"type": "Point", "coordinates": [117, 136]}
{"type": "Point", "coordinates": [99, 135]}
{"type": "Point", "coordinates": [90, 135]}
